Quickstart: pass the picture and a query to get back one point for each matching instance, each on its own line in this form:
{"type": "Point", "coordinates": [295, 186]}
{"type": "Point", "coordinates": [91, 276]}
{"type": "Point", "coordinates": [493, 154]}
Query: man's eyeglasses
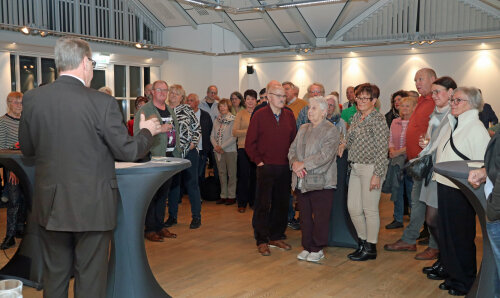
{"type": "Point", "coordinates": [278, 95]}
{"type": "Point", "coordinates": [93, 62]}
{"type": "Point", "coordinates": [161, 90]}
{"type": "Point", "coordinates": [455, 101]}
{"type": "Point", "coordinates": [364, 99]}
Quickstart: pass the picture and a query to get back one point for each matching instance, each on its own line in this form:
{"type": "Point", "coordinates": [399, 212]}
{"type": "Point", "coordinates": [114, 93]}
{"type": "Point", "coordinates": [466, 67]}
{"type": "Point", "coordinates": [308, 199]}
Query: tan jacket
{"type": "Point", "coordinates": [317, 148]}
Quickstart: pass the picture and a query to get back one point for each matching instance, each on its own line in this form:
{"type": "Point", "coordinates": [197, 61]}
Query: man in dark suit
{"type": "Point", "coordinates": [75, 134]}
{"type": "Point", "coordinates": [204, 146]}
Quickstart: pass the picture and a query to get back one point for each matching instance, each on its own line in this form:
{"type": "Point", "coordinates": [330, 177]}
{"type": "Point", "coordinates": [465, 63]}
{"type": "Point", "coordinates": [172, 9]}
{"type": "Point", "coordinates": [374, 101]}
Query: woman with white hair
{"type": "Point", "coordinates": [467, 139]}
{"type": "Point", "coordinates": [312, 159]}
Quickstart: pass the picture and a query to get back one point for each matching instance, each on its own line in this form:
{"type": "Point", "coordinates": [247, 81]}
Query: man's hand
{"type": "Point", "coordinates": [476, 177]}
{"type": "Point", "coordinates": [260, 164]}
{"type": "Point", "coordinates": [166, 127]}
{"type": "Point", "coordinates": [13, 179]}
{"type": "Point", "coordinates": [374, 182]}
{"type": "Point", "coordinates": [153, 125]}
{"type": "Point", "coordinates": [191, 146]}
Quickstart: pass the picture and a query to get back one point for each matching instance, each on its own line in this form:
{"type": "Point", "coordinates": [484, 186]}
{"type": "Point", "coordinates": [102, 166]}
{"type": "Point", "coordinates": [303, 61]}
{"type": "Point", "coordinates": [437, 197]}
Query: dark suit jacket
{"type": "Point", "coordinates": [75, 134]}
{"type": "Point", "coordinates": [206, 128]}
{"type": "Point", "coordinates": [492, 164]}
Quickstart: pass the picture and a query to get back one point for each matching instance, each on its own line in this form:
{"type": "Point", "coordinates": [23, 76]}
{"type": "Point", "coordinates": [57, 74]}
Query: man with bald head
{"type": "Point", "coordinates": [417, 126]}
{"type": "Point", "coordinates": [269, 136]}
{"type": "Point", "coordinates": [349, 93]}
{"type": "Point", "coordinates": [148, 91]}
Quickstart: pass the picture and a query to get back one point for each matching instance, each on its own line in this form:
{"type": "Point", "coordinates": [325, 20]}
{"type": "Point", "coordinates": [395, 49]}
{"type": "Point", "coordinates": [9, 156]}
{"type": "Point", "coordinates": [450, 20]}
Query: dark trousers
{"type": "Point", "coordinates": [16, 207]}
{"type": "Point", "coordinates": [271, 203]}
{"type": "Point", "coordinates": [190, 179]}
{"type": "Point", "coordinates": [246, 182]}
{"type": "Point", "coordinates": [315, 209]}
{"type": "Point", "coordinates": [202, 165]}
{"type": "Point", "coordinates": [84, 254]}
{"type": "Point", "coordinates": [156, 210]}
{"type": "Point", "coordinates": [457, 230]}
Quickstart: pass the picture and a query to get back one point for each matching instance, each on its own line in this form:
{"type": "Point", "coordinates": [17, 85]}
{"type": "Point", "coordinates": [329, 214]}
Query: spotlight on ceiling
{"type": "Point", "coordinates": [431, 41]}
{"type": "Point", "coordinates": [413, 42]}
{"type": "Point", "coordinates": [43, 33]}
{"type": "Point", "coordinates": [25, 30]}
{"type": "Point", "coordinates": [421, 42]}
{"type": "Point", "coordinates": [138, 45]}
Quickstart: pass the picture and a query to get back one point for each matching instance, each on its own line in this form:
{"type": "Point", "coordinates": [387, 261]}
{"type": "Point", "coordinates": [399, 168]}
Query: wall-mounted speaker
{"type": "Point", "coordinates": [250, 69]}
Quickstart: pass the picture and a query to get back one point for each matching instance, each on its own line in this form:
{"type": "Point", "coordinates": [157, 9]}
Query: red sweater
{"type": "Point", "coordinates": [419, 121]}
{"type": "Point", "coordinates": [267, 140]}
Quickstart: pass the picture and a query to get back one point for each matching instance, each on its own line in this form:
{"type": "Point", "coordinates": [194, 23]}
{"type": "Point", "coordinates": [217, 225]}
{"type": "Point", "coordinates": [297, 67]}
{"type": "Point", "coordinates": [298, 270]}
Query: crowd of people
{"type": "Point", "coordinates": [269, 150]}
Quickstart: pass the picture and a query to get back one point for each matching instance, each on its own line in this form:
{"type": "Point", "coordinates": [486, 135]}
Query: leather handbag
{"type": "Point", "coordinates": [421, 168]}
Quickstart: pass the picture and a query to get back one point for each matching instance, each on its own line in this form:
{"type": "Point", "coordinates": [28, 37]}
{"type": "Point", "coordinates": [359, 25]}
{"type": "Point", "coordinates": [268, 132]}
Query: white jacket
{"type": "Point", "coordinates": [470, 138]}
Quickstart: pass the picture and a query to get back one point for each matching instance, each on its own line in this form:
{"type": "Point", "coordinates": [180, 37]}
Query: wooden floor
{"type": "Point", "coordinates": [220, 260]}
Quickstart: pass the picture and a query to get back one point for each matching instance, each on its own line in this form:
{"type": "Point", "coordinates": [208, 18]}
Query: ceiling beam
{"type": "Point", "coordinates": [487, 8]}
{"type": "Point", "coordinates": [272, 25]}
{"type": "Point", "coordinates": [301, 23]}
{"type": "Point", "coordinates": [229, 22]}
{"type": "Point", "coordinates": [337, 34]}
{"type": "Point", "coordinates": [184, 14]}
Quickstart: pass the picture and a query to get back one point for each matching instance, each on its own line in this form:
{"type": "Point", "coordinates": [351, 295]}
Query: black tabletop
{"type": "Point", "coordinates": [457, 169]}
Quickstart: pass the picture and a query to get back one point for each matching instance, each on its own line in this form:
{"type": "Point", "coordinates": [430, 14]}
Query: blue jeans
{"type": "Point", "coordinates": [291, 209]}
{"type": "Point", "coordinates": [190, 179]}
{"type": "Point", "coordinates": [493, 229]}
{"type": "Point", "coordinates": [16, 208]}
{"type": "Point", "coordinates": [399, 205]}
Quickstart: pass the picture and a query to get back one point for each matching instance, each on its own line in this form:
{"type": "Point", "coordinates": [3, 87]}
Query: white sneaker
{"type": "Point", "coordinates": [315, 256]}
{"type": "Point", "coordinates": [303, 255]}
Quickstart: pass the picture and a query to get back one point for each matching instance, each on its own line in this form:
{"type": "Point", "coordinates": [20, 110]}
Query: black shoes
{"type": "Point", "coordinates": [429, 269]}
{"type": "Point", "coordinates": [8, 242]}
{"type": "Point", "coordinates": [195, 223]}
{"type": "Point", "coordinates": [394, 225]}
{"type": "Point", "coordinates": [369, 252]}
{"type": "Point", "coordinates": [294, 224]}
{"type": "Point", "coordinates": [171, 221]}
{"type": "Point", "coordinates": [438, 274]}
{"type": "Point", "coordinates": [361, 246]}
{"type": "Point", "coordinates": [451, 291]}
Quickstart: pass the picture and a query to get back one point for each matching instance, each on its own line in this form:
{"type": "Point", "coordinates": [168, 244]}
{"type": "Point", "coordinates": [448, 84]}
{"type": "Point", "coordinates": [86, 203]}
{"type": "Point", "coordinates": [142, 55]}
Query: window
{"type": "Point", "coordinates": [98, 80]}
{"type": "Point", "coordinates": [28, 73]}
{"type": "Point", "coordinates": [13, 73]}
{"type": "Point", "coordinates": [49, 72]}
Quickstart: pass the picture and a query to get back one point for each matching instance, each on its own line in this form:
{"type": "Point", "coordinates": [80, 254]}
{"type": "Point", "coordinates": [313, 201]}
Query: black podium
{"type": "Point", "coordinates": [129, 274]}
{"type": "Point", "coordinates": [458, 172]}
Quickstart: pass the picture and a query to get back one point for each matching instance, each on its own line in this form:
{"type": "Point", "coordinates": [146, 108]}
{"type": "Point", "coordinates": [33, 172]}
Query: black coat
{"type": "Point", "coordinates": [206, 129]}
{"type": "Point", "coordinates": [492, 164]}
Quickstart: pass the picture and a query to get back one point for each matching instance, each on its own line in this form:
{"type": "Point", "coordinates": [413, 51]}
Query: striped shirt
{"type": "Point", "coordinates": [9, 130]}
{"type": "Point", "coordinates": [397, 139]}
{"type": "Point", "coordinates": [368, 141]}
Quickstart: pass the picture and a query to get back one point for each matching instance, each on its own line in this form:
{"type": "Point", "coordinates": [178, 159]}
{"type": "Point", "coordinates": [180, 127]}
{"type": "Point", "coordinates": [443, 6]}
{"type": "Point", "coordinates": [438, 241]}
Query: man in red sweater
{"type": "Point", "coordinates": [419, 121]}
{"type": "Point", "coordinates": [271, 131]}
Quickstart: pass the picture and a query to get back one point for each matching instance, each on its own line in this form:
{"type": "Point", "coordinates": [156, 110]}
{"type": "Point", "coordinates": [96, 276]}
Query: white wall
{"type": "Point", "coordinates": [5, 85]}
{"type": "Point", "coordinates": [480, 69]}
{"type": "Point", "coordinates": [301, 73]}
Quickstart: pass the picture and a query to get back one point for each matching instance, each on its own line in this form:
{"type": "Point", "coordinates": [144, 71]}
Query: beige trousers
{"type": "Point", "coordinates": [226, 166]}
{"type": "Point", "coordinates": [363, 203]}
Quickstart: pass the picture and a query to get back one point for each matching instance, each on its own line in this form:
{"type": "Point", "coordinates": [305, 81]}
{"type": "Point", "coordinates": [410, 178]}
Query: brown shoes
{"type": "Point", "coordinates": [264, 249]}
{"type": "Point", "coordinates": [230, 201]}
{"type": "Point", "coordinates": [400, 245]}
{"type": "Point", "coordinates": [241, 209]}
{"type": "Point", "coordinates": [428, 254]}
{"type": "Point", "coordinates": [166, 233]}
{"type": "Point", "coordinates": [153, 236]}
{"type": "Point", "coordinates": [280, 244]}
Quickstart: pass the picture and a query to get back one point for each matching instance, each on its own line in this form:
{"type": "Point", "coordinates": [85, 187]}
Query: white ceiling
{"type": "Point", "coordinates": [337, 22]}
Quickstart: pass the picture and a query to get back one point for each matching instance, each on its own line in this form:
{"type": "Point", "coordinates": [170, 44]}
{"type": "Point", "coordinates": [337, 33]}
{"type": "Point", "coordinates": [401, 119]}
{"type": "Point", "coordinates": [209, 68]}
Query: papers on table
{"type": "Point", "coordinates": [475, 164]}
{"type": "Point", "coordinates": [155, 161]}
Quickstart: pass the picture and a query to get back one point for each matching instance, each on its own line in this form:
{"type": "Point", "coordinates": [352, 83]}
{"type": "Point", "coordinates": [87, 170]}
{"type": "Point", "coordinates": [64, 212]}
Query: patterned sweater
{"type": "Point", "coordinates": [368, 141]}
{"type": "Point", "coordinates": [189, 127]}
{"type": "Point", "coordinates": [9, 128]}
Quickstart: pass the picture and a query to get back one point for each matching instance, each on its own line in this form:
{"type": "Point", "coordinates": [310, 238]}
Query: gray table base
{"type": "Point", "coordinates": [457, 172]}
{"type": "Point", "coordinates": [342, 232]}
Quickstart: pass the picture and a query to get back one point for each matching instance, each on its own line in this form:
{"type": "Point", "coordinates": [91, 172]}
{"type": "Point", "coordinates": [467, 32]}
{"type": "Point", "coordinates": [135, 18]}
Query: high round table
{"type": "Point", "coordinates": [458, 172]}
{"type": "Point", "coordinates": [129, 274]}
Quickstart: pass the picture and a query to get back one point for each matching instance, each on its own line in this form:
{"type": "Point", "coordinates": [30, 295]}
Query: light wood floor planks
{"type": "Point", "coordinates": [220, 260]}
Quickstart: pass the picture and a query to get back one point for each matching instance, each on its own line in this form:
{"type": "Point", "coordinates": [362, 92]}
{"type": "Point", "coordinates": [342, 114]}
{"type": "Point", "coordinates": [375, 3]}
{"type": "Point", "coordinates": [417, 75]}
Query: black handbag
{"type": "Point", "coordinates": [421, 169]}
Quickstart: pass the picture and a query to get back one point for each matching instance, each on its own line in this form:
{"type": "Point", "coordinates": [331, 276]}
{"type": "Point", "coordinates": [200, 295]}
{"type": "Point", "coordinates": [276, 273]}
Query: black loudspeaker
{"type": "Point", "coordinates": [250, 69]}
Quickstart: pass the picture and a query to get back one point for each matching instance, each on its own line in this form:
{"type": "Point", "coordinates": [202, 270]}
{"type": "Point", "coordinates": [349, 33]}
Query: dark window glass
{"type": "Point", "coordinates": [99, 79]}
{"type": "Point", "coordinates": [147, 76]}
{"type": "Point", "coordinates": [13, 72]}
{"type": "Point", "coordinates": [49, 73]}
{"type": "Point", "coordinates": [28, 71]}
{"type": "Point", "coordinates": [135, 81]}
{"type": "Point", "coordinates": [120, 81]}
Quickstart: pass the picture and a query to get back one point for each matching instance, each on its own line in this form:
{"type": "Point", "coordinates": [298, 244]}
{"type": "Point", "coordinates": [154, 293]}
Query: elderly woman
{"type": "Point", "coordinates": [397, 154]}
{"type": "Point", "coordinates": [189, 135]}
{"type": "Point", "coordinates": [394, 112]}
{"type": "Point", "coordinates": [245, 190]}
{"type": "Point", "coordinates": [237, 102]}
{"type": "Point", "coordinates": [465, 138]}
{"type": "Point", "coordinates": [367, 141]}
{"type": "Point", "coordinates": [225, 152]}
{"type": "Point", "coordinates": [442, 90]}
{"type": "Point", "coordinates": [333, 113]}
{"type": "Point", "coordinates": [312, 159]}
